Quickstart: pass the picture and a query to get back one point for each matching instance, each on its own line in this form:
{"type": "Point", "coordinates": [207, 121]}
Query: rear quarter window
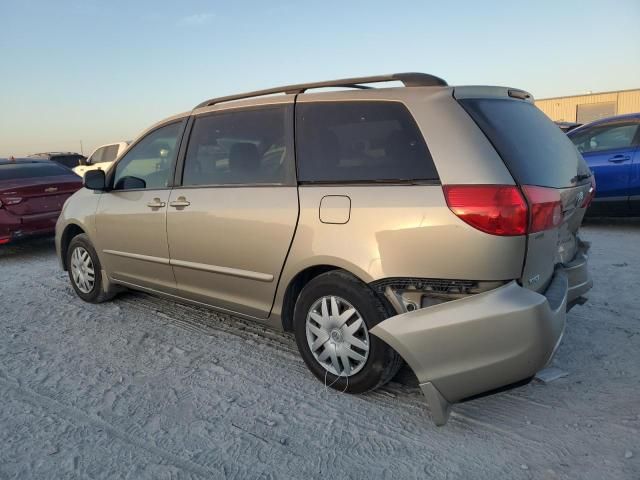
{"type": "Point", "coordinates": [533, 148]}
{"type": "Point", "coordinates": [14, 171]}
{"type": "Point", "coordinates": [360, 142]}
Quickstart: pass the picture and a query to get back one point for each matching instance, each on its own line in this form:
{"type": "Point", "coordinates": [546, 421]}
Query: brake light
{"type": "Point", "coordinates": [4, 240]}
{"type": "Point", "coordinates": [545, 207]}
{"type": "Point", "coordinates": [503, 210]}
{"type": "Point", "coordinates": [495, 209]}
{"type": "Point", "coordinates": [590, 194]}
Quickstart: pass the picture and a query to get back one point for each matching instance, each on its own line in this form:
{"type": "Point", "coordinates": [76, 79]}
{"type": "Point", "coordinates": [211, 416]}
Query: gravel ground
{"type": "Point", "coordinates": [145, 388]}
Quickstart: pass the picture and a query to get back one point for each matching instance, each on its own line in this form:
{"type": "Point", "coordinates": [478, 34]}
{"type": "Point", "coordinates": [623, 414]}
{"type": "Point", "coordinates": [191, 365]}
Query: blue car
{"type": "Point", "coordinates": [611, 148]}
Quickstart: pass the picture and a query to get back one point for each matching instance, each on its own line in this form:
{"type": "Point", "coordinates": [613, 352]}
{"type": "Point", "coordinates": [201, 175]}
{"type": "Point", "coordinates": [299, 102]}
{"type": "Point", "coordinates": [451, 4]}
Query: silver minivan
{"type": "Point", "coordinates": [426, 224]}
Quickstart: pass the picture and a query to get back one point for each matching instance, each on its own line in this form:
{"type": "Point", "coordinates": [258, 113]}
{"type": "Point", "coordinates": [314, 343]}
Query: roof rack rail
{"type": "Point", "coordinates": [410, 79]}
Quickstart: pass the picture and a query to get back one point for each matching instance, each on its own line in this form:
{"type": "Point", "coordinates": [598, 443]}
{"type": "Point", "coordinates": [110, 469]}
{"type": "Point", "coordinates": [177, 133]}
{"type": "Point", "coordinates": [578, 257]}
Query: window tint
{"type": "Point", "coordinates": [360, 142]}
{"type": "Point", "coordinates": [606, 137]}
{"type": "Point", "coordinates": [533, 148]}
{"type": "Point", "coordinates": [110, 153]}
{"type": "Point", "coordinates": [13, 171]}
{"type": "Point", "coordinates": [241, 147]}
{"type": "Point", "coordinates": [150, 161]}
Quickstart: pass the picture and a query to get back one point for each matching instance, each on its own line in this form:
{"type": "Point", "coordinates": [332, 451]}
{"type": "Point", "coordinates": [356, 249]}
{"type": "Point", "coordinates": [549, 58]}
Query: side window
{"type": "Point", "coordinates": [241, 147]}
{"type": "Point", "coordinates": [360, 142]}
{"type": "Point", "coordinates": [97, 155]}
{"type": "Point", "coordinates": [110, 153]}
{"type": "Point", "coordinates": [607, 137]}
{"type": "Point", "coordinates": [149, 164]}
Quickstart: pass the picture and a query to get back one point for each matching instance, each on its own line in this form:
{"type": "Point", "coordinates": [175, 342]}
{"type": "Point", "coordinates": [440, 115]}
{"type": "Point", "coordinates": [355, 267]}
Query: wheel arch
{"type": "Point", "coordinates": [72, 230]}
{"type": "Point", "coordinates": [300, 280]}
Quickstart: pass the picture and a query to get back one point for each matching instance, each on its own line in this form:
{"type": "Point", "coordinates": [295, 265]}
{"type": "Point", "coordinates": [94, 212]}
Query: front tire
{"type": "Point", "coordinates": [85, 271]}
{"type": "Point", "coordinates": [332, 319]}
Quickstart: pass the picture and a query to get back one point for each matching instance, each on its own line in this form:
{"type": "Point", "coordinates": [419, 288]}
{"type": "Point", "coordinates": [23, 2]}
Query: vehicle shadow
{"type": "Point", "coordinates": [28, 247]}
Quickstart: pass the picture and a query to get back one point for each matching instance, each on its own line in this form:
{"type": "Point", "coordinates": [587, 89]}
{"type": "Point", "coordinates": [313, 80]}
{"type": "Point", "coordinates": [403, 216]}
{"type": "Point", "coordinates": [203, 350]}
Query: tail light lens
{"type": "Point", "coordinates": [503, 210]}
{"type": "Point", "coordinates": [545, 208]}
{"type": "Point", "coordinates": [11, 201]}
{"type": "Point", "coordinates": [495, 209]}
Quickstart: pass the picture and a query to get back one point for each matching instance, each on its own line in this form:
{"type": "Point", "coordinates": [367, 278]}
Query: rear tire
{"type": "Point", "coordinates": [329, 348]}
{"type": "Point", "coordinates": [85, 271]}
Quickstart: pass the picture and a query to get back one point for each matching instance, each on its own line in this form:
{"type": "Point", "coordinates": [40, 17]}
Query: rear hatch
{"type": "Point", "coordinates": [36, 190]}
{"type": "Point", "coordinates": [554, 178]}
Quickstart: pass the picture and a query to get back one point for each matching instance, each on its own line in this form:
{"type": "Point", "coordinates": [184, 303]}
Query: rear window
{"type": "Point", "coordinates": [534, 149]}
{"type": "Point", "coordinates": [70, 161]}
{"type": "Point", "coordinates": [360, 142]}
{"type": "Point", "coordinates": [14, 171]}
{"type": "Point", "coordinates": [110, 153]}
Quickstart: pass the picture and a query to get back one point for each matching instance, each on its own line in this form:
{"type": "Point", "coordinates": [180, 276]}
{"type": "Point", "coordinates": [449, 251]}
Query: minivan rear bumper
{"type": "Point", "coordinates": [486, 341]}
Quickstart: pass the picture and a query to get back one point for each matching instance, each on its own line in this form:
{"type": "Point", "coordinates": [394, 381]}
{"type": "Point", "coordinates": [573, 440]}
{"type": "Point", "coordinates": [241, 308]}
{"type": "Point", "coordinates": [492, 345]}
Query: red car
{"type": "Point", "coordinates": [32, 193]}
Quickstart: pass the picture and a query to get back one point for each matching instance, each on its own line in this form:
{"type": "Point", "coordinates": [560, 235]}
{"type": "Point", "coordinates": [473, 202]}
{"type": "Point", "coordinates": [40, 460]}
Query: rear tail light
{"type": "Point", "coordinates": [503, 210]}
{"type": "Point", "coordinates": [4, 240]}
{"type": "Point", "coordinates": [495, 209]}
{"type": "Point", "coordinates": [11, 201]}
{"type": "Point", "coordinates": [592, 193]}
{"type": "Point", "coordinates": [545, 208]}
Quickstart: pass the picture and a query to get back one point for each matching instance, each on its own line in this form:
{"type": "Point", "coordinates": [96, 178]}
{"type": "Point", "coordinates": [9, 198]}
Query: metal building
{"type": "Point", "coordinates": [589, 107]}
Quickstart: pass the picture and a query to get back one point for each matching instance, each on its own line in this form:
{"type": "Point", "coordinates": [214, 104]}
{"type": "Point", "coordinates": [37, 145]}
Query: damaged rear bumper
{"type": "Point", "coordinates": [486, 341]}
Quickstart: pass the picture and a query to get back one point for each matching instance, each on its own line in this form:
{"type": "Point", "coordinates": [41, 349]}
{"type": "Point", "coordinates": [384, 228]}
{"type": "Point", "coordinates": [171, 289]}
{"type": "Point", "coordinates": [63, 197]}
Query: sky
{"type": "Point", "coordinates": [94, 71]}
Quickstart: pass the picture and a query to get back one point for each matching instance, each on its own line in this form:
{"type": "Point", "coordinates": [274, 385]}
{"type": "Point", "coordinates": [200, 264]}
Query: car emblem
{"type": "Point", "coordinates": [51, 189]}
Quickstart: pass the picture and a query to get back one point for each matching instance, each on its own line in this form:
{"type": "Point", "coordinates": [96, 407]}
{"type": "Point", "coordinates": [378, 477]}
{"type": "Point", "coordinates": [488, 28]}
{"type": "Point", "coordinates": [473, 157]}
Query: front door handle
{"type": "Point", "coordinates": [156, 203]}
{"type": "Point", "coordinates": [619, 158]}
{"type": "Point", "coordinates": [180, 202]}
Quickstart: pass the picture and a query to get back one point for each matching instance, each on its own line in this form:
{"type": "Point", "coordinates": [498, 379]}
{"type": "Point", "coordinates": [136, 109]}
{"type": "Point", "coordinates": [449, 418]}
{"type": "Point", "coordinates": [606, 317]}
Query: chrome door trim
{"type": "Point", "coordinates": [234, 272]}
{"type": "Point", "coordinates": [137, 256]}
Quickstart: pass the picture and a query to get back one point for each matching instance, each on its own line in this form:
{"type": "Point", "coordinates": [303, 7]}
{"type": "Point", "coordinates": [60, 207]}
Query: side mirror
{"type": "Point", "coordinates": [95, 180]}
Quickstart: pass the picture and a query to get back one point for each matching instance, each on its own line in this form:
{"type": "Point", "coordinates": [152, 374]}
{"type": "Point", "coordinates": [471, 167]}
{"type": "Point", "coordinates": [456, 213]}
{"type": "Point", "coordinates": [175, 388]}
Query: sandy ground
{"type": "Point", "coordinates": [145, 388]}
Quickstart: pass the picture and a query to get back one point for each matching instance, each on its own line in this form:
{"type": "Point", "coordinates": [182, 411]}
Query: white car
{"type": "Point", "coordinates": [102, 157]}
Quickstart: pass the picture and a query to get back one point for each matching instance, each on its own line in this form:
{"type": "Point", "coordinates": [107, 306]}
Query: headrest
{"type": "Point", "coordinates": [243, 157]}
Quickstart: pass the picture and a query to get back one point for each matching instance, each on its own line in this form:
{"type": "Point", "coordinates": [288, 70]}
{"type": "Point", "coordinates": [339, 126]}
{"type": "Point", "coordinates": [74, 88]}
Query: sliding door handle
{"type": "Point", "coordinates": [156, 203]}
{"type": "Point", "coordinates": [180, 202]}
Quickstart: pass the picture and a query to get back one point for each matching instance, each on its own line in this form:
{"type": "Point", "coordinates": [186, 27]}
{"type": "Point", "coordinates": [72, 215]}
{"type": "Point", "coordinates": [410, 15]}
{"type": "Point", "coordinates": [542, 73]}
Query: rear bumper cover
{"type": "Point", "coordinates": [486, 341]}
{"type": "Point", "coordinates": [14, 227]}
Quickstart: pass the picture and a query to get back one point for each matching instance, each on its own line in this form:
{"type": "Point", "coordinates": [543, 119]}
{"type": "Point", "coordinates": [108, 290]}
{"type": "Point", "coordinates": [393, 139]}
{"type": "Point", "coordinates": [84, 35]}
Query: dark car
{"type": "Point", "coordinates": [32, 192]}
{"type": "Point", "coordinates": [566, 127]}
{"type": "Point", "coordinates": [68, 159]}
{"type": "Point", "coordinates": [611, 147]}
